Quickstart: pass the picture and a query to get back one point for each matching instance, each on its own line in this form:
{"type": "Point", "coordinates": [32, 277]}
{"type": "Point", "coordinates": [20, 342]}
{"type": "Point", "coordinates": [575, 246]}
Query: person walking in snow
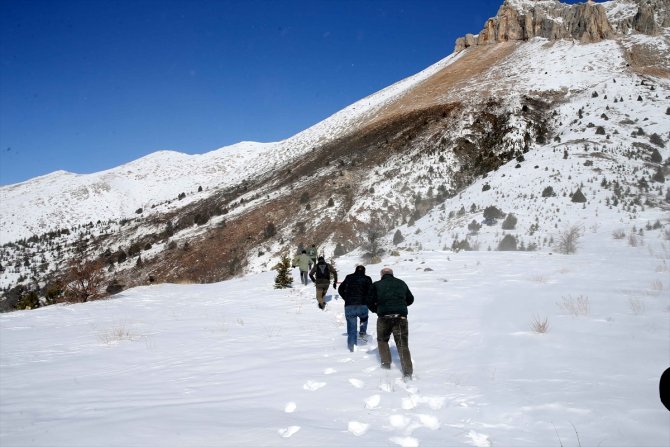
{"type": "Point", "coordinates": [302, 262]}
{"type": "Point", "coordinates": [354, 290]}
{"type": "Point", "coordinates": [389, 298]}
{"type": "Point", "coordinates": [312, 252]}
{"type": "Point", "coordinates": [320, 275]}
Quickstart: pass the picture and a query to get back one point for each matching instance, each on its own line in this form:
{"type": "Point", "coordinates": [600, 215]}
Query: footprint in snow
{"type": "Point", "coordinates": [357, 428]}
{"type": "Point", "coordinates": [479, 439]}
{"type": "Point", "coordinates": [313, 386]}
{"type": "Point", "coordinates": [398, 421]}
{"type": "Point", "coordinates": [406, 441]}
{"type": "Point", "coordinates": [373, 401]}
{"type": "Point", "coordinates": [356, 383]}
{"type": "Point", "coordinates": [429, 421]}
{"type": "Point", "coordinates": [409, 403]}
{"type": "Point", "coordinates": [290, 407]}
{"type": "Point", "coordinates": [385, 386]}
{"type": "Point", "coordinates": [369, 369]}
{"type": "Point", "coordinates": [328, 371]}
{"type": "Point", "coordinates": [289, 431]}
{"type": "Point", "coordinates": [435, 402]}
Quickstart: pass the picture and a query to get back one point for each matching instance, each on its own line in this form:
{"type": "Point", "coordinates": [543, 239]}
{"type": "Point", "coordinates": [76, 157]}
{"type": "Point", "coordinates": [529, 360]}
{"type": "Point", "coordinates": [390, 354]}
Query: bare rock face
{"type": "Point", "coordinates": [644, 22]}
{"type": "Point", "coordinates": [519, 20]}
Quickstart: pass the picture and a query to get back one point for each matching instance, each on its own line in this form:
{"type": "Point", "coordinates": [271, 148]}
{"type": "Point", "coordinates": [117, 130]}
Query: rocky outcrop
{"type": "Point", "coordinates": [519, 20]}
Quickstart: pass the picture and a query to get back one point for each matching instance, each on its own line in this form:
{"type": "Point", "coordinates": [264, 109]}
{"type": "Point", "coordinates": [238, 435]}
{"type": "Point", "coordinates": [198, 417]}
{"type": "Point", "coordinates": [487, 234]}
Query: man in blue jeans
{"type": "Point", "coordinates": [354, 290]}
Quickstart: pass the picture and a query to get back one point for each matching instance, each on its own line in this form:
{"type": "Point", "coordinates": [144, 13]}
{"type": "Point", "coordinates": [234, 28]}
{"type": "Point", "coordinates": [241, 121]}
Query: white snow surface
{"type": "Point", "coordinates": [239, 363]}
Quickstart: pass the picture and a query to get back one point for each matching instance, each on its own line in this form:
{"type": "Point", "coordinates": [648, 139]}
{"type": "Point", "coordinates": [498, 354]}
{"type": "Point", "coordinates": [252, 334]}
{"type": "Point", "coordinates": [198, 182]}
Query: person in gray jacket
{"type": "Point", "coordinates": [302, 262]}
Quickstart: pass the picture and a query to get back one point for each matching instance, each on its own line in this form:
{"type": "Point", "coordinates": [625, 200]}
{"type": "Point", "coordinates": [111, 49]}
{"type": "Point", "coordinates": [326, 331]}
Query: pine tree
{"type": "Point", "coordinates": [578, 196]}
{"type": "Point", "coordinates": [398, 238]}
{"type": "Point", "coordinates": [284, 279]}
{"type": "Point", "coordinates": [510, 222]}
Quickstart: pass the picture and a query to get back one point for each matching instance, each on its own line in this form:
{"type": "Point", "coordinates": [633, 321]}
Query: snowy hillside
{"type": "Point", "coordinates": [238, 363]}
{"type": "Point", "coordinates": [549, 135]}
{"type": "Point", "coordinates": [63, 199]}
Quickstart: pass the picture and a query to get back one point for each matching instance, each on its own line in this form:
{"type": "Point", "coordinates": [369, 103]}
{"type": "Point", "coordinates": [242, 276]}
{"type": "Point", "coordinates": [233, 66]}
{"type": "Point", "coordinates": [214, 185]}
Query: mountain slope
{"type": "Point", "coordinates": [491, 125]}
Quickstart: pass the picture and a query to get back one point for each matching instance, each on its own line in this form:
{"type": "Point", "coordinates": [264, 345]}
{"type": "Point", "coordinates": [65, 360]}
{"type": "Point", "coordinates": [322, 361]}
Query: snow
{"type": "Point", "coordinates": [240, 363]}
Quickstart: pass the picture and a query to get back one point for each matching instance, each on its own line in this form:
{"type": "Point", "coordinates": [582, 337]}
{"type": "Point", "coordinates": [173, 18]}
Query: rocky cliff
{"type": "Point", "coordinates": [520, 20]}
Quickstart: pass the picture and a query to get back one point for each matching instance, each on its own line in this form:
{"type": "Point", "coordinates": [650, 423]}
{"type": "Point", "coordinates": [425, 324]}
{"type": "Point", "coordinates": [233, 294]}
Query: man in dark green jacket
{"type": "Point", "coordinates": [389, 298]}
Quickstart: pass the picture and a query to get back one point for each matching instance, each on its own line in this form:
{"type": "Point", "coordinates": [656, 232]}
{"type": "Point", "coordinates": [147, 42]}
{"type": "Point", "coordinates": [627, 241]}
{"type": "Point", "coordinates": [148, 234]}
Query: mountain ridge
{"type": "Point", "coordinates": [402, 158]}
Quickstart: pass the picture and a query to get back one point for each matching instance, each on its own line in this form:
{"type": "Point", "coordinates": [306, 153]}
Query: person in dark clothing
{"type": "Point", "coordinates": [320, 275]}
{"type": "Point", "coordinates": [354, 290]}
{"type": "Point", "coordinates": [389, 298]}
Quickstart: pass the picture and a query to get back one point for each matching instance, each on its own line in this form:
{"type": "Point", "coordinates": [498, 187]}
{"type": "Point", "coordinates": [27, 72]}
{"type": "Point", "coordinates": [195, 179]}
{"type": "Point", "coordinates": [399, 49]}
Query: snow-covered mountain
{"type": "Point", "coordinates": [537, 100]}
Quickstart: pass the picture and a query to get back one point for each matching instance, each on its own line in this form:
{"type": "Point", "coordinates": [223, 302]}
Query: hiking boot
{"type": "Point", "coordinates": [386, 366]}
{"type": "Point", "coordinates": [322, 306]}
{"type": "Point", "coordinates": [407, 377]}
{"type": "Point", "coordinates": [351, 348]}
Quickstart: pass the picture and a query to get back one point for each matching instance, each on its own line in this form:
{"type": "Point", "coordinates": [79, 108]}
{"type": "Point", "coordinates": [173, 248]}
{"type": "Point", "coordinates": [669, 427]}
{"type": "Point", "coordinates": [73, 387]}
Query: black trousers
{"type": "Point", "coordinates": [399, 328]}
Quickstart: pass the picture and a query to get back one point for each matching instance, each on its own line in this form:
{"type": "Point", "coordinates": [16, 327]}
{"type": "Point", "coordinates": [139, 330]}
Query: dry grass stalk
{"type": "Point", "coordinates": [539, 325]}
{"type": "Point", "coordinates": [575, 306]}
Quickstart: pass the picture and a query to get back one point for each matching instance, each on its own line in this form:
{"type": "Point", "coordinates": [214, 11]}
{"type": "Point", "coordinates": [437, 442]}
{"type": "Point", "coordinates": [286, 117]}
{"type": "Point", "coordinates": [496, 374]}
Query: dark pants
{"type": "Point", "coordinates": [321, 293]}
{"type": "Point", "coordinates": [400, 330]}
{"type": "Point", "coordinates": [304, 277]}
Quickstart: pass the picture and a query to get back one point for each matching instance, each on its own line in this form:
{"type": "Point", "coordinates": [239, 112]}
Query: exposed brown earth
{"type": "Point", "coordinates": [441, 87]}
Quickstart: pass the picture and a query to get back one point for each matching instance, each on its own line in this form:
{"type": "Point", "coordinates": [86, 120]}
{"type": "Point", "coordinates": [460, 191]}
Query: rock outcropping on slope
{"type": "Point", "coordinates": [519, 20]}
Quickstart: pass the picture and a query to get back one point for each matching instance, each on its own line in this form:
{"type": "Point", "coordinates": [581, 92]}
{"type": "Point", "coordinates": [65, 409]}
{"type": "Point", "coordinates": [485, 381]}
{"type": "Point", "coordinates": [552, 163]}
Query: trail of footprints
{"type": "Point", "coordinates": [400, 425]}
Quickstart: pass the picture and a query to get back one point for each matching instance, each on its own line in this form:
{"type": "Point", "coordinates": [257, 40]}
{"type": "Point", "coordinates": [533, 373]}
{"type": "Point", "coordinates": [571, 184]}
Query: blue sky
{"type": "Point", "coordinates": [87, 85]}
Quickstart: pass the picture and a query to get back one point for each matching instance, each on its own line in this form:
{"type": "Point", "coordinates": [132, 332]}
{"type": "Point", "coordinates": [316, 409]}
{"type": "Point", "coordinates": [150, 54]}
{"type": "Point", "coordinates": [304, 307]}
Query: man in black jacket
{"type": "Point", "coordinates": [320, 276]}
{"type": "Point", "coordinates": [389, 298]}
{"type": "Point", "coordinates": [354, 290]}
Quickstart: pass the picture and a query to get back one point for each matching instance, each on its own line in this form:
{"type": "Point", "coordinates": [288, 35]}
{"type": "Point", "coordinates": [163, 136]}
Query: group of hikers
{"type": "Point", "coordinates": [388, 298]}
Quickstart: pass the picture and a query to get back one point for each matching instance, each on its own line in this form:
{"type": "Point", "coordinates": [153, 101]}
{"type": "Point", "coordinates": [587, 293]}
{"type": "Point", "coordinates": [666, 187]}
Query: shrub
{"type": "Point", "coordinates": [460, 245]}
{"type": "Point", "coordinates": [270, 230]}
{"type": "Point", "coordinates": [84, 279]}
{"type": "Point", "coordinates": [548, 192]}
{"type": "Point", "coordinates": [618, 234]}
{"type": "Point", "coordinates": [539, 325]}
{"type": "Point", "coordinates": [201, 218]}
{"type": "Point", "coordinates": [373, 238]}
{"type": "Point", "coordinates": [474, 226]}
{"type": "Point", "coordinates": [304, 198]}
{"type": "Point", "coordinates": [656, 156]}
{"type": "Point", "coordinates": [491, 213]}
{"type": "Point", "coordinates": [568, 240]}
{"type": "Point", "coordinates": [575, 306]}
{"type": "Point", "coordinates": [331, 202]}
{"type": "Point", "coordinates": [398, 238]}
{"type": "Point", "coordinates": [339, 250]}
{"type": "Point", "coordinates": [508, 243]}
{"type": "Point", "coordinates": [28, 300]}
{"type": "Point", "coordinates": [600, 130]}
{"type": "Point", "coordinates": [658, 176]}
{"type": "Point", "coordinates": [114, 287]}
{"type": "Point", "coordinates": [510, 222]}
{"type": "Point", "coordinates": [657, 140]}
